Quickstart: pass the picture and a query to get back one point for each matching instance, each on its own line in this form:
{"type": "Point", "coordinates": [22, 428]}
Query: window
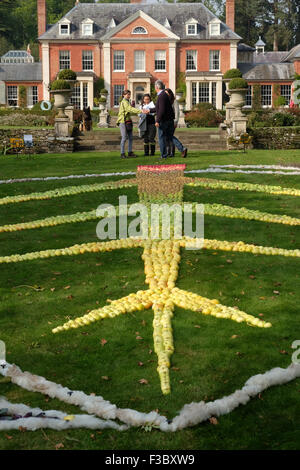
{"type": "Point", "coordinates": [32, 95]}
{"type": "Point", "coordinates": [266, 95]}
{"type": "Point", "coordinates": [139, 30]}
{"type": "Point", "coordinates": [285, 91]}
{"type": "Point", "coordinates": [119, 60]}
{"type": "Point", "coordinates": [214, 29]}
{"type": "Point", "coordinates": [87, 29]}
{"type": "Point", "coordinates": [214, 60]}
{"type": "Point", "coordinates": [191, 60]}
{"type": "Point", "coordinates": [87, 60]}
{"type": "Point", "coordinates": [204, 92]}
{"type": "Point", "coordinates": [75, 98]}
{"type": "Point", "coordinates": [118, 90]}
{"type": "Point", "coordinates": [64, 60]}
{"type": "Point", "coordinates": [160, 60]}
{"type": "Point", "coordinates": [191, 29]}
{"type": "Point", "coordinates": [249, 96]}
{"type": "Point", "coordinates": [12, 95]}
{"type": "Point", "coordinates": [139, 61]}
{"type": "Point", "coordinates": [64, 29]}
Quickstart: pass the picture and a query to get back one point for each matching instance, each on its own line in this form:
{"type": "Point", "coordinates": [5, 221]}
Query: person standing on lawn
{"type": "Point", "coordinates": [164, 118]}
{"type": "Point", "coordinates": [125, 123]}
{"type": "Point", "coordinates": [175, 142]}
{"type": "Point", "coordinates": [150, 132]}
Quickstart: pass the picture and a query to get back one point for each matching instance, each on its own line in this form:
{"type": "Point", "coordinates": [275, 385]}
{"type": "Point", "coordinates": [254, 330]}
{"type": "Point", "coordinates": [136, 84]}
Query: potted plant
{"type": "Point", "coordinates": [102, 102]}
{"type": "Point", "coordinates": [104, 93]}
{"type": "Point", "coordinates": [179, 93]}
{"type": "Point", "coordinates": [61, 90]}
{"type": "Point", "coordinates": [229, 74]}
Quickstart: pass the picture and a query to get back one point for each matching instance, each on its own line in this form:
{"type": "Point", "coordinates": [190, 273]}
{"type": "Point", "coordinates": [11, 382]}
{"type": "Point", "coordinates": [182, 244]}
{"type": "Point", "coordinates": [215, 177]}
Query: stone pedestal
{"type": "Point", "coordinates": [103, 118]}
{"type": "Point", "coordinates": [69, 111]}
{"type": "Point", "coordinates": [61, 126]}
{"type": "Point", "coordinates": [181, 121]}
{"type": "Point", "coordinates": [239, 125]}
{"type": "Point", "coordinates": [230, 112]}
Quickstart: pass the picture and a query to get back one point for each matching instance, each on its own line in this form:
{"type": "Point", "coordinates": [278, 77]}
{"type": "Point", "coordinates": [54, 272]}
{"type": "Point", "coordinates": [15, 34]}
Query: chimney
{"type": "Point", "coordinates": [41, 17]}
{"type": "Point", "coordinates": [230, 10]}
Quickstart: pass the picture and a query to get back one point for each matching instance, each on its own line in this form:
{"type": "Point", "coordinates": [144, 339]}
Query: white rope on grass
{"type": "Point", "coordinates": [51, 419]}
{"type": "Point", "coordinates": [190, 415]}
{"type": "Point", "coordinates": [268, 167]}
{"type": "Point", "coordinates": [49, 178]}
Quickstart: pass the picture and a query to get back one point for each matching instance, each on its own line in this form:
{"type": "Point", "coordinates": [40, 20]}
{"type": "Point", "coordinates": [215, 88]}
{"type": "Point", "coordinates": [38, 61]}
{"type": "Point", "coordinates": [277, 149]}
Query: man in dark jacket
{"type": "Point", "coordinates": [164, 118]}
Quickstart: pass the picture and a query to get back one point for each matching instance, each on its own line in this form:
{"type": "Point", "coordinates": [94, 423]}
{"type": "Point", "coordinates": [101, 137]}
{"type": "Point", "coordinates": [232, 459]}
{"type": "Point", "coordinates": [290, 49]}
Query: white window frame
{"type": "Point", "coordinates": [156, 53]}
{"type": "Point", "coordinates": [135, 60]}
{"type": "Point", "coordinates": [64, 59]}
{"type": "Point", "coordinates": [115, 60]}
{"type": "Point", "coordinates": [116, 101]}
{"type": "Point", "coordinates": [139, 32]}
{"type": "Point", "coordinates": [86, 61]}
{"type": "Point", "coordinates": [195, 92]}
{"type": "Point", "coordinates": [91, 29]}
{"type": "Point", "coordinates": [14, 96]}
{"type": "Point", "coordinates": [287, 96]}
{"type": "Point", "coordinates": [211, 60]}
{"type": "Point", "coordinates": [269, 95]}
{"type": "Point", "coordinates": [195, 60]}
{"type": "Point", "coordinates": [60, 29]}
{"type": "Point", "coordinates": [249, 95]}
{"type": "Point", "coordinates": [32, 95]}
{"type": "Point", "coordinates": [217, 31]}
{"type": "Point", "coordinates": [191, 25]}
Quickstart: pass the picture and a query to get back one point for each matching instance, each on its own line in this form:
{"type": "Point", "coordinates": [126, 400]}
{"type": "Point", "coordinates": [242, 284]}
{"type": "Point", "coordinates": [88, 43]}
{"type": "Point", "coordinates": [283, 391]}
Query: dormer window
{"type": "Point", "coordinates": [192, 27]}
{"type": "Point", "coordinates": [64, 28]}
{"type": "Point", "coordinates": [215, 27]}
{"type": "Point", "coordinates": [139, 30]}
{"type": "Point", "coordinates": [87, 27]}
{"type": "Point", "coordinates": [112, 23]}
{"type": "Point", "coordinates": [167, 23]}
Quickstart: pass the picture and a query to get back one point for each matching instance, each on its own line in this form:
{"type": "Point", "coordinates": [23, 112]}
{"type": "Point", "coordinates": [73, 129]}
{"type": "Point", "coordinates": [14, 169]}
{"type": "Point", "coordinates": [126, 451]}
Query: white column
{"type": "Point", "coordinates": [233, 55]}
{"type": "Point", "coordinates": [81, 95]}
{"type": "Point", "coordinates": [219, 94]}
{"type": "Point", "coordinates": [46, 70]}
{"type": "Point", "coordinates": [91, 94]}
{"type": "Point", "coordinates": [172, 66]}
{"type": "Point", "coordinates": [188, 95]}
{"type": "Point", "coordinates": [107, 70]}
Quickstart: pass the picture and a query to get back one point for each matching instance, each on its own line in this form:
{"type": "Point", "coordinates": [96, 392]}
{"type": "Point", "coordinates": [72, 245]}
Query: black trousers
{"type": "Point", "coordinates": [149, 136]}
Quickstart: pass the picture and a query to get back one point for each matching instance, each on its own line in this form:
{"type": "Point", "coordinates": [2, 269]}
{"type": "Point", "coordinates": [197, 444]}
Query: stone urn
{"type": "Point", "coordinates": [61, 101]}
{"type": "Point", "coordinates": [237, 99]}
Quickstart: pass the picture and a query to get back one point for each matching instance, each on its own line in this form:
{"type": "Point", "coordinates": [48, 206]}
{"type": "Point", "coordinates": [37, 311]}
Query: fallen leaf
{"type": "Point", "coordinates": [181, 381]}
{"type": "Point", "coordinates": [103, 342]}
{"type": "Point", "coordinates": [92, 436]}
{"type": "Point", "coordinates": [276, 292]}
{"type": "Point", "coordinates": [138, 337]}
{"type": "Point", "coordinates": [262, 298]}
{"type": "Point", "coordinates": [150, 351]}
{"type": "Point", "coordinates": [140, 363]}
{"type": "Point", "coordinates": [8, 437]}
{"type": "Point", "coordinates": [56, 273]}
{"type": "Point", "coordinates": [144, 323]}
{"type": "Point", "coordinates": [197, 326]}
{"type": "Point", "coordinates": [70, 297]}
{"type": "Point", "coordinates": [59, 446]}
{"type": "Point", "coordinates": [234, 336]}
{"type": "Point", "coordinates": [143, 381]}
{"type": "Point", "coordinates": [104, 377]}
{"type": "Point", "coordinates": [213, 421]}
{"type": "Point", "coordinates": [52, 289]}
{"type": "Point", "coordinates": [283, 351]}
{"type": "Point", "coordinates": [67, 287]}
{"type": "Point", "coordinates": [175, 368]}
{"type": "Point", "coordinates": [229, 261]}
{"type": "Point", "coordinates": [260, 314]}
{"type": "Point", "coordinates": [251, 276]}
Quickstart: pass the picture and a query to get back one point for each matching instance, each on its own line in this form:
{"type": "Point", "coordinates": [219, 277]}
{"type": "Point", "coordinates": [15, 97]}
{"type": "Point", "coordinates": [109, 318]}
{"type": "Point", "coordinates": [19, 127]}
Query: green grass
{"type": "Point", "coordinates": [209, 363]}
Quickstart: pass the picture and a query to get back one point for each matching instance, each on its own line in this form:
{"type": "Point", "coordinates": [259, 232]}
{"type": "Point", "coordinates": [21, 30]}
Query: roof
{"type": "Point", "coordinates": [294, 53]}
{"type": "Point", "coordinates": [262, 72]}
{"type": "Point", "coordinates": [269, 57]}
{"type": "Point", "coordinates": [242, 47]}
{"type": "Point", "coordinates": [260, 42]}
{"type": "Point", "coordinates": [176, 13]}
{"type": "Point", "coordinates": [21, 72]}
{"type": "Point", "coordinates": [17, 57]}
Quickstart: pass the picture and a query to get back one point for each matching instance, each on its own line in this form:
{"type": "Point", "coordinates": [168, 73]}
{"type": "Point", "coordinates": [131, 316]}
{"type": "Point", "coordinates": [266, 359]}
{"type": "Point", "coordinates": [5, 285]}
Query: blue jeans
{"type": "Point", "coordinates": [124, 136]}
{"type": "Point", "coordinates": [165, 135]}
{"type": "Point", "coordinates": [178, 144]}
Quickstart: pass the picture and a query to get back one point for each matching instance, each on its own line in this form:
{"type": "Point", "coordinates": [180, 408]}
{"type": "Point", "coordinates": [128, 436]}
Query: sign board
{"type": "Point", "coordinates": [16, 143]}
{"type": "Point", "coordinates": [28, 141]}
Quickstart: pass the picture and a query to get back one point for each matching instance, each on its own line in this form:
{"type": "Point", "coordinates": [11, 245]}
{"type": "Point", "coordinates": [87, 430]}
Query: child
{"type": "Point", "coordinates": [150, 130]}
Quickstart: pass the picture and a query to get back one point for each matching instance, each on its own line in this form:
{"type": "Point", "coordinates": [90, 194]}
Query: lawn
{"type": "Point", "coordinates": [213, 357]}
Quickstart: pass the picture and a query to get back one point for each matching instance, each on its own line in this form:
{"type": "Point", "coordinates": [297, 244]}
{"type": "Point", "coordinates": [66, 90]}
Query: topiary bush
{"type": "Point", "coordinates": [67, 74]}
{"type": "Point", "coordinates": [233, 73]}
{"type": "Point", "coordinates": [104, 91]}
{"type": "Point", "coordinates": [60, 85]}
{"type": "Point", "coordinates": [236, 83]}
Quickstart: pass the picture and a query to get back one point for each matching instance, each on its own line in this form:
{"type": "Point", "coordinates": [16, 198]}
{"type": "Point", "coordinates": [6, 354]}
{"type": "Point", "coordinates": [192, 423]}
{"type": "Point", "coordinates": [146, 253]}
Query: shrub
{"type": "Point", "coordinates": [296, 113]}
{"type": "Point", "coordinates": [98, 86]}
{"type": "Point", "coordinates": [103, 91]}
{"type": "Point", "coordinates": [67, 74]}
{"type": "Point", "coordinates": [256, 102]}
{"type": "Point", "coordinates": [202, 106]}
{"type": "Point", "coordinates": [203, 117]}
{"type": "Point", "coordinates": [283, 119]}
{"type": "Point", "coordinates": [233, 73]}
{"type": "Point", "coordinates": [60, 85]}
{"type": "Point", "coordinates": [22, 96]}
{"type": "Point", "coordinates": [181, 100]}
{"type": "Point", "coordinates": [102, 100]}
{"type": "Point", "coordinates": [279, 101]}
{"type": "Point", "coordinates": [236, 83]}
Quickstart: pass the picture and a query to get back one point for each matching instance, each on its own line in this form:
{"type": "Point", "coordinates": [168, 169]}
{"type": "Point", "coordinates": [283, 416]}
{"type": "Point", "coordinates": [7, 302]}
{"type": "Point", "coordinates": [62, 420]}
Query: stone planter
{"type": "Point", "coordinates": [61, 101]}
{"type": "Point", "coordinates": [237, 99]}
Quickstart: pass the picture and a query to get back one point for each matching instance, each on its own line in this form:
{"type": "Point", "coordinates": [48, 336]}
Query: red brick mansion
{"type": "Point", "coordinates": [132, 44]}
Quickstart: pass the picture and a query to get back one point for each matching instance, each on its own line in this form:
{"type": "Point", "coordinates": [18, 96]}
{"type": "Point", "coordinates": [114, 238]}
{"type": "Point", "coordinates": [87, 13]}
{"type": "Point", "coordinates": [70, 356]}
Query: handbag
{"type": "Point", "coordinates": [128, 123]}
